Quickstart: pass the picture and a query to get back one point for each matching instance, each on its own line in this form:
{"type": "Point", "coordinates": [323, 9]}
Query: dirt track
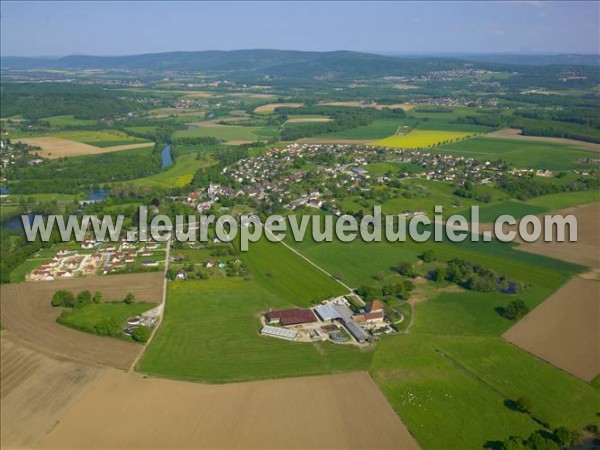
{"type": "Point", "coordinates": [53, 147]}
{"type": "Point", "coordinates": [35, 391]}
{"type": "Point", "coordinates": [512, 133]}
{"type": "Point", "coordinates": [128, 411]}
{"type": "Point", "coordinates": [565, 329]}
{"type": "Point", "coordinates": [26, 312]}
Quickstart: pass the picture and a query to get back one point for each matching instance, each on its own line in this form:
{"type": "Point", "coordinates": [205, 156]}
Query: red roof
{"type": "Point", "coordinates": [375, 305]}
{"type": "Point", "coordinates": [292, 316]}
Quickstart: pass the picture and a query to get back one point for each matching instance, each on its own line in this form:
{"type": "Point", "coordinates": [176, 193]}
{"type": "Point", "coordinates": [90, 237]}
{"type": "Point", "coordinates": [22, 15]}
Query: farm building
{"type": "Point", "coordinates": [375, 306]}
{"type": "Point", "coordinates": [330, 312]}
{"type": "Point", "coordinates": [281, 333]}
{"type": "Point", "coordinates": [357, 333]}
{"type": "Point", "coordinates": [290, 316]}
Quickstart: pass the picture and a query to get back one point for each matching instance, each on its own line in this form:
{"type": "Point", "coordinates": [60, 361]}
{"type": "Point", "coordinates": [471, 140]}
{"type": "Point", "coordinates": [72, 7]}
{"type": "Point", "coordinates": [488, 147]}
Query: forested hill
{"type": "Point", "coordinates": [275, 62]}
{"type": "Point", "coordinates": [280, 64]}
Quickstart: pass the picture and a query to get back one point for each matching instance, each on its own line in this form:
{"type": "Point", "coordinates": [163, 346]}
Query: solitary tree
{"type": "Point", "coordinates": [129, 298]}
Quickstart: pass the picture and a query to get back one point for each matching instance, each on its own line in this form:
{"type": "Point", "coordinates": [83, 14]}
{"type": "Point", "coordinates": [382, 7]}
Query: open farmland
{"type": "Point", "coordinates": [521, 153]}
{"type": "Point", "coordinates": [180, 174]}
{"type": "Point", "coordinates": [270, 107]}
{"type": "Point", "coordinates": [228, 133]}
{"type": "Point", "coordinates": [35, 391]}
{"type": "Point", "coordinates": [564, 329]}
{"type": "Point", "coordinates": [54, 147]}
{"type": "Point", "coordinates": [421, 139]}
{"type": "Point", "coordinates": [511, 133]}
{"type": "Point", "coordinates": [210, 333]}
{"type": "Point", "coordinates": [27, 313]}
{"type": "Point", "coordinates": [104, 138]}
{"type": "Point", "coordinates": [155, 413]}
{"type": "Point", "coordinates": [586, 251]}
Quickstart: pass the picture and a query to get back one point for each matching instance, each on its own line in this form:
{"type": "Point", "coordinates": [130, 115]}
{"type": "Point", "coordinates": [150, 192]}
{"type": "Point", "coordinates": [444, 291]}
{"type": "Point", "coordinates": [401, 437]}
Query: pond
{"type": "Point", "coordinates": [167, 156]}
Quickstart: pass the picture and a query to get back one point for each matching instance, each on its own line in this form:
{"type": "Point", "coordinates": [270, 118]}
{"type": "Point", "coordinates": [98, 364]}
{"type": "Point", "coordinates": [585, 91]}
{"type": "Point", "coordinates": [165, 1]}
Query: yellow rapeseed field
{"type": "Point", "coordinates": [422, 139]}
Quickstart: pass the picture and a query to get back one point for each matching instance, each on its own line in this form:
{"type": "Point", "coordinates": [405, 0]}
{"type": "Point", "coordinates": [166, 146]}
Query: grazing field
{"type": "Point", "coordinates": [564, 329]}
{"type": "Point", "coordinates": [377, 130]}
{"type": "Point", "coordinates": [454, 358]}
{"type": "Point", "coordinates": [421, 139]}
{"type": "Point", "coordinates": [54, 147]}
{"type": "Point", "coordinates": [178, 175]}
{"type": "Point", "coordinates": [535, 154]}
{"type": "Point", "coordinates": [68, 120]}
{"type": "Point", "coordinates": [228, 133]}
{"type": "Point", "coordinates": [210, 333]}
{"type": "Point", "coordinates": [26, 312]}
{"type": "Point", "coordinates": [340, 411]}
{"type": "Point", "coordinates": [35, 391]}
{"type": "Point", "coordinates": [88, 317]}
{"type": "Point", "coordinates": [511, 133]}
{"type": "Point", "coordinates": [270, 107]}
{"type": "Point", "coordinates": [517, 209]}
{"type": "Point", "coordinates": [280, 271]}
{"type": "Point", "coordinates": [105, 138]}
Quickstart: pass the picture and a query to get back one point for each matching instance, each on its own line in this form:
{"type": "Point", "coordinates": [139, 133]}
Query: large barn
{"type": "Point", "coordinates": [290, 316]}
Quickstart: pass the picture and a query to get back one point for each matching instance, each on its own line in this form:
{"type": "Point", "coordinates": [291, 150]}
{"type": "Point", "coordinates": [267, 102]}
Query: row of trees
{"type": "Point", "coordinates": [476, 277]}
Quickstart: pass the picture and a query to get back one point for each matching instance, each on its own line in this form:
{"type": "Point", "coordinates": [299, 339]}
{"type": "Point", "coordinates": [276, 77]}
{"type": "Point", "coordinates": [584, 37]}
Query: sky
{"type": "Point", "coordinates": [50, 28]}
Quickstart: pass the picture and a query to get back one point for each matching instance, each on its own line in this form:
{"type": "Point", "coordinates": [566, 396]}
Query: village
{"type": "Point", "coordinates": [316, 176]}
{"type": "Point", "coordinates": [98, 258]}
{"type": "Point", "coordinates": [338, 320]}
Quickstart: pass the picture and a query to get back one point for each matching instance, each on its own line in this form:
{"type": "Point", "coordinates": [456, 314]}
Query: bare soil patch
{"type": "Point", "coordinates": [586, 251]}
{"type": "Point", "coordinates": [512, 133]}
{"type": "Point", "coordinates": [35, 391]}
{"type": "Point", "coordinates": [270, 107]}
{"type": "Point", "coordinates": [53, 147]}
{"type": "Point", "coordinates": [128, 411]}
{"type": "Point", "coordinates": [565, 329]}
{"type": "Point", "coordinates": [26, 312]}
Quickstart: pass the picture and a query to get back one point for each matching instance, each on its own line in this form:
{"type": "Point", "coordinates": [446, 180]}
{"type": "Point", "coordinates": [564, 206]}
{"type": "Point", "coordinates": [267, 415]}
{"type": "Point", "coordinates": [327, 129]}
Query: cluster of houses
{"type": "Point", "coordinates": [105, 258]}
{"type": "Point", "coordinates": [278, 176]}
{"type": "Point", "coordinates": [67, 264]}
{"type": "Point", "coordinates": [126, 254]}
{"type": "Point", "coordinates": [333, 320]}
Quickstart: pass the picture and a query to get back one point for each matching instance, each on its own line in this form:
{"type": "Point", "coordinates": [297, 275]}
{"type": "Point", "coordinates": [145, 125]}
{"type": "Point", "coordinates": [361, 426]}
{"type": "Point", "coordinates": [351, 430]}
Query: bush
{"type": "Point", "coordinates": [141, 334]}
{"type": "Point", "coordinates": [63, 298]}
{"type": "Point", "coordinates": [428, 256]}
{"type": "Point", "coordinates": [406, 269]}
{"type": "Point", "coordinates": [129, 298]}
{"type": "Point", "coordinates": [516, 309]}
{"type": "Point", "coordinates": [97, 297]}
{"type": "Point", "coordinates": [524, 404]}
{"type": "Point", "coordinates": [83, 298]}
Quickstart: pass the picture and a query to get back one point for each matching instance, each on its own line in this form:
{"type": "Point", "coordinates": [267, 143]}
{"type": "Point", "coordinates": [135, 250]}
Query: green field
{"type": "Point", "coordinates": [178, 175]}
{"type": "Point", "coordinates": [536, 155]}
{"type": "Point", "coordinates": [92, 315]}
{"type": "Point", "coordinates": [422, 139]}
{"type": "Point", "coordinates": [210, 333]}
{"type": "Point", "coordinates": [68, 120]}
{"type": "Point", "coordinates": [105, 138]}
{"type": "Point", "coordinates": [377, 130]}
{"type": "Point", "coordinates": [229, 133]}
{"type": "Point", "coordinates": [515, 208]}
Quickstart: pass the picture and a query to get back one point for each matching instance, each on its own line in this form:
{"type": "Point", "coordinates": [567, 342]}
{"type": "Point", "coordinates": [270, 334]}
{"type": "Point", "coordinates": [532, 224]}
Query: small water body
{"type": "Point", "coordinates": [16, 224]}
{"type": "Point", "coordinates": [3, 189]}
{"type": "Point", "coordinates": [98, 194]}
{"type": "Point", "coordinates": [167, 156]}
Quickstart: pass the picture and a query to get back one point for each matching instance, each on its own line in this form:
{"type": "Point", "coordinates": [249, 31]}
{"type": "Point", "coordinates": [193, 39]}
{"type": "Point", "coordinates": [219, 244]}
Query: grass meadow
{"type": "Point", "coordinates": [535, 155]}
